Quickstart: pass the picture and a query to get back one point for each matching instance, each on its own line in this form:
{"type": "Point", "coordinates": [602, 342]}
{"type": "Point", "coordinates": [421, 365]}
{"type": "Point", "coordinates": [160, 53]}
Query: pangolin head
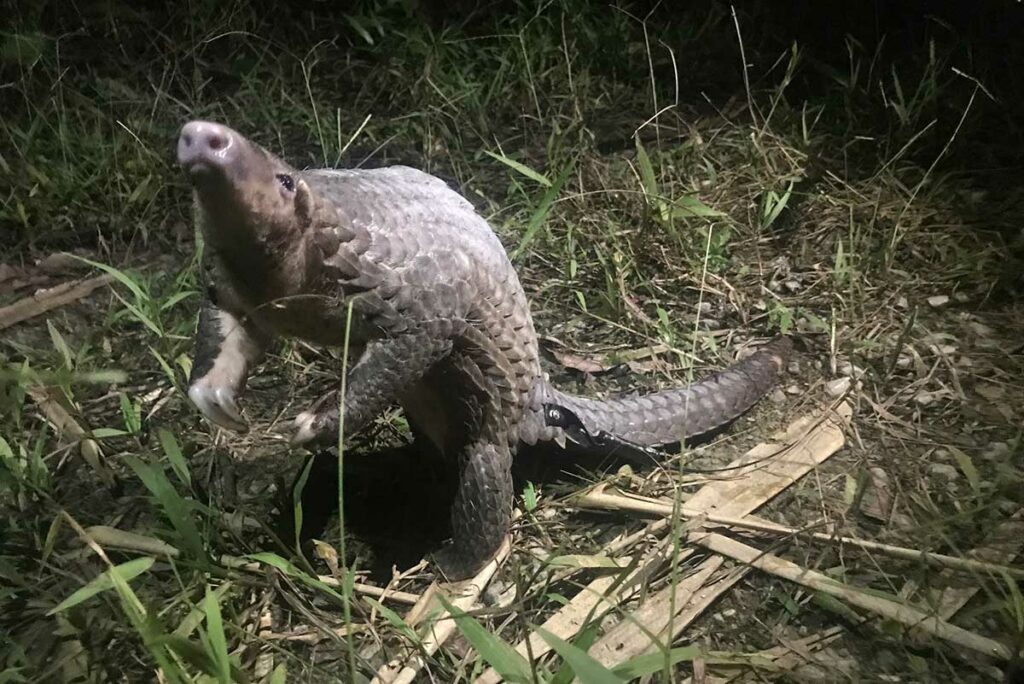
{"type": "Point", "coordinates": [246, 192]}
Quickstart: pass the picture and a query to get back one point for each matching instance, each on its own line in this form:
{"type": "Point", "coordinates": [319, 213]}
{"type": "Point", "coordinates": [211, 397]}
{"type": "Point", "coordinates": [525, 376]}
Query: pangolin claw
{"type": "Point", "coordinates": [219, 406]}
{"type": "Point", "coordinates": [305, 429]}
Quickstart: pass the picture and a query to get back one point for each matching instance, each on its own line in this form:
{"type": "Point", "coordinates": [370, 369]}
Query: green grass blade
{"type": "Point", "coordinates": [279, 675]}
{"type": "Point", "coordinates": [126, 571]}
{"type": "Point", "coordinates": [586, 668]}
{"type": "Point", "coordinates": [774, 205]}
{"type": "Point", "coordinates": [177, 510]}
{"type": "Point", "coordinates": [967, 467]}
{"type": "Point", "coordinates": [647, 179]}
{"type": "Point", "coordinates": [541, 213]}
{"type": "Point", "coordinates": [168, 371]}
{"type": "Point", "coordinates": [689, 205]}
{"type": "Point", "coordinates": [120, 276]}
{"type": "Point", "coordinates": [650, 663]}
{"type": "Point", "coordinates": [289, 568]}
{"type": "Point", "coordinates": [174, 456]}
{"type": "Point", "coordinates": [195, 656]}
{"type": "Point", "coordinates": [500, 655]}
{"type": "Point", "coordinates": [195, 616]}
{"type": "Point", "coordinates": [218, 642]}
{"type": "Point", "coordinates": [520, 168]}
{"type": "Point", "coordinates": [395, 619]}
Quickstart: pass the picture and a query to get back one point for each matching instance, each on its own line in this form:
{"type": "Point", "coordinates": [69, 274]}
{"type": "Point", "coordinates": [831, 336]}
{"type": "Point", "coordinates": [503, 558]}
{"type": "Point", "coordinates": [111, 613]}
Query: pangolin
{"type": "Point", "coordinates": [440, 324]}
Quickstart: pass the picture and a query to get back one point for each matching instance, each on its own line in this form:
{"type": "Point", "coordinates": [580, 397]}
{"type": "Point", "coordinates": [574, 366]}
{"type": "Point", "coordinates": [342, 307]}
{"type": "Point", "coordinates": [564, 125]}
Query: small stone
{"type": "Point", "coordinates": [792, 285]}
{"type": "Point", "coordinates": [944, 470]}
{"type": "Point", "coordinates": [981, 330]}
{"type": "Point", "coordinates": [901, 302]}
{"type": "Point", "coordinates": [710, 323]}
{"type": "Point", "coordinates": [990, 391]}
{"type": "Point", "coordinates": [778, 396]}
{"type": "Point", "coordinates": [937, 301]}
{"type": "Point", "coordinates": [838, 387]}
{"type": "Point", "coordinates": [961, 297]}
{"type": "Point", "coordinates": [925, 398]}
{"type": "Point", "coordinates": [704, 307]}
{"type": "Point", "coordinates": [850, 370]}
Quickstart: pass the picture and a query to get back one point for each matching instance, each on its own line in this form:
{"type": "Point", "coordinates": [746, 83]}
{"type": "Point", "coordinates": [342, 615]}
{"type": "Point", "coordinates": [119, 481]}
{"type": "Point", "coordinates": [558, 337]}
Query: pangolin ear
{"type": "Point", "coordinates": [304, 204]}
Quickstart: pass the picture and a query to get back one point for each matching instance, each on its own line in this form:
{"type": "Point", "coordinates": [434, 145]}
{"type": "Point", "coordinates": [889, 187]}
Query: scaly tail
{"type": "Point", "coordinates": [671, 416]}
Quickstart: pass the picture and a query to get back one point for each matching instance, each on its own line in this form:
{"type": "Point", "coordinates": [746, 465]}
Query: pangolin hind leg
{"type": "Point", "coordinates": [459, 410]}
{"type": "Point", "coordinates": [482, 510]}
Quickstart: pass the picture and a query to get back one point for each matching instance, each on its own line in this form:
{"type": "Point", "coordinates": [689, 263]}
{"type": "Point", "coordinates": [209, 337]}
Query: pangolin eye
{"type": "Point", "coordinates": [286, 181]}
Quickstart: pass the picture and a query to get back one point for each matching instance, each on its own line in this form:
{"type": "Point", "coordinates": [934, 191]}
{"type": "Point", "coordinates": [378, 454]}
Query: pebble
{"type": "Point", "coordinates": [837, 387]}
{"type": "Point", "coordinates": [850, 370]}
{"type": "Point", "coordinates": [944, 470]}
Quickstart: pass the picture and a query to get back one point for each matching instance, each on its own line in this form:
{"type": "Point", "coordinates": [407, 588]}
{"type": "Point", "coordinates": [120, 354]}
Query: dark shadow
{"type": "Point", "coordinates": [397, 499]}
{"type": "Point", "coordinates": [396, 504]}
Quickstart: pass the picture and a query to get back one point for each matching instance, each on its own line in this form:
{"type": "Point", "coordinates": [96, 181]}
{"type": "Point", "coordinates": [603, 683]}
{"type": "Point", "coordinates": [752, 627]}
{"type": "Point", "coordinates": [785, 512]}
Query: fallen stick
{"type": "Point", "coordinates": [659, 614]}
{"type": "Point", "coordinates": [788, 656]}
{"type": "Point", "coordinates": [760, 474]}
{"type": "Point", "coordinates": [592, 602]}
{"type": "Point", "coordinates": [49, 299]}
{"type": "Point", "coordinates": [1003, 543]}
{"type": "Point", "coordinates": [442, 626]}
{"type": "Point", "coordinates": [816, 581]}
{"type": "Point", "coordinates": [599, 499]}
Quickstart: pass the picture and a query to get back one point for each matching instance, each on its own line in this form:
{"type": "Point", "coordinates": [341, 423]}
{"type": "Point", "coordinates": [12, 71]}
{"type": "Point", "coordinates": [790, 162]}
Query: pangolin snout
{"type": "Point", "coordinates": [204, 146]}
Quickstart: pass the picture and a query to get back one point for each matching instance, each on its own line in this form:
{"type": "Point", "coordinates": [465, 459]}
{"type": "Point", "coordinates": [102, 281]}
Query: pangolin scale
{"type": "Point", "coordinates": [441, 324]}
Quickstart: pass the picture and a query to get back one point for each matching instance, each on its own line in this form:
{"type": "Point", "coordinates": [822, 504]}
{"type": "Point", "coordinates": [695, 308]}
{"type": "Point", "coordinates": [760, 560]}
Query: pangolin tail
{"type": "Point", "coordinates": [671, 416]}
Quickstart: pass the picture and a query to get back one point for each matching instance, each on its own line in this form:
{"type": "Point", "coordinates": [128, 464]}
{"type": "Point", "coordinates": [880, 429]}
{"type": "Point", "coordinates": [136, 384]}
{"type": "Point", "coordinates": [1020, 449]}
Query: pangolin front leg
{"type": "Point", "coordinates": [386, 368]}
{"type": "Point", "coordinates": [226, 349]}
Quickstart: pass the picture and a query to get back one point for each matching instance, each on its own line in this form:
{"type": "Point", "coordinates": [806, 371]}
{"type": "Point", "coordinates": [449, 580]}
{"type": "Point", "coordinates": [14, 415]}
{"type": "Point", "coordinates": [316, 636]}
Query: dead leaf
{"type": "Point", "coordinates": [877, 501]}
{"type": "Point", "coordinates": [7, 272]}
{"type": "Point", "coordinates": [575, 362]}
{"type": "Point", "coordinates": [49, 299]}
{"type": "Point", "coordinates": [61, 263]}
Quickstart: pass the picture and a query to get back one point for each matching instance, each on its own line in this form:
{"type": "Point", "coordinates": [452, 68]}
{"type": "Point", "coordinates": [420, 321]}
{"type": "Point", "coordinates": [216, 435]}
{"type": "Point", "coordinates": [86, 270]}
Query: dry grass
{"type": "Point", "coordinates": [858, 202]}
